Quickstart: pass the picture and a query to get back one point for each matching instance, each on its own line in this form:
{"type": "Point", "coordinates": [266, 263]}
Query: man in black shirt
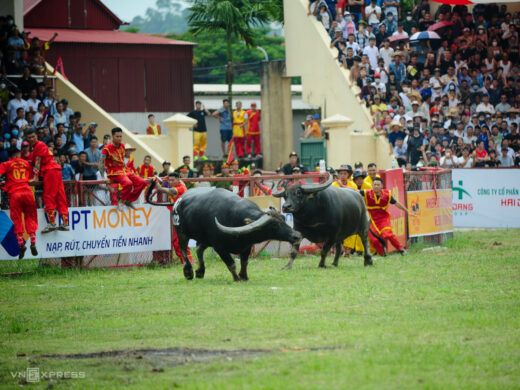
{"type": "Point", "coordinates": [287, 169]}
{"type": "Point", "coordinates": [199, 130]}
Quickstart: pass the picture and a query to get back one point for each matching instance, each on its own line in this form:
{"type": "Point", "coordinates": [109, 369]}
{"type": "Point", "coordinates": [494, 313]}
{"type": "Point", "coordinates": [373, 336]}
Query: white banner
{"type": "Point", "coordinates": [104, 230]}
{"type": "Point", "coordinates": [486, 198]}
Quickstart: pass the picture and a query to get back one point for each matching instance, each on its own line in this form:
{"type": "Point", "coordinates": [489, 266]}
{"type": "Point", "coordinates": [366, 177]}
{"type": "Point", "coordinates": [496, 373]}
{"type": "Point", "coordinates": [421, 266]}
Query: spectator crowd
{"type": "Point", "coordinates": [442, 84]}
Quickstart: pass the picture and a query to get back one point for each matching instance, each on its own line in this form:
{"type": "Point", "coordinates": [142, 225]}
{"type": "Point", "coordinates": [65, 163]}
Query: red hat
{"type": "Point", "coordinates": [184, 169]}
{"type": "Point", "coordinates": [25, 143]}
{"type": "Point", "coordinates": [377, 75]}
{"type": "Point", "coordinates": [253, 104]}
{"type": "Point", "coordinates": [234, 162]}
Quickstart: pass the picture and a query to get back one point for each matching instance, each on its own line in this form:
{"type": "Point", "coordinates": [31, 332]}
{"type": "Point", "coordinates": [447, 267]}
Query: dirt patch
{"type": "Point", "coordinates": [178, 356]}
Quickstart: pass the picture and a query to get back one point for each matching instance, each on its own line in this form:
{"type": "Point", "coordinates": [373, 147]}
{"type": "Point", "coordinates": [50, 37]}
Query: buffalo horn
{"type": "Point", "coordinates": [239, 230]}
{"type": "Point", "coordinates": [312, 188]}
{"type": "Point", "coordinates": [278, 193]}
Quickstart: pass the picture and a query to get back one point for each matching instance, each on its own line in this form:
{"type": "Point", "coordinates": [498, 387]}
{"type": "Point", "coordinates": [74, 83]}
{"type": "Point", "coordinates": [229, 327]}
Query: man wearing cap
{"type": "Point", "coordinates": [344, 181]}
{"type": "Point", "coordinates": [359, 180]}
{"type": "Point", "coordinates": [53, 190]}
{"type": "Point", "coordinates": [18, 172]}
{"type": "Point", "coordinates": [200, 130]}
{"type": "Point", "coordinates": [313, 131]}
{"type": "Point", "coordinates": [239, 128]}
{"type": "Point", "coordinates": [166, 169]}
{"type": "Point", "coordinates": [253, 130]}
{"type": "Point", "coordinates": [287, 169]}
{"type": "Point", "coordinates": [224, 172]}
{"type": "Point", "coordinates": [113, 159]}
{"type": "Point", "coordinates": [26, 154]}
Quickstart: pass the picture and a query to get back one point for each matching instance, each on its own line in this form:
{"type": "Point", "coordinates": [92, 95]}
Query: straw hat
{"type": "Point", "coordinates": [395, 123]}
{"type": "Point", "coordinates": [344, 167]}
{"type": "Point", "coordinates": [129, 147]}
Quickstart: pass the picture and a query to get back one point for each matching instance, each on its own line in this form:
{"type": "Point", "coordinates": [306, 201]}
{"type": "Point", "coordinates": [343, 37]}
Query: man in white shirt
{"type": "Point", "coordinates": [386, 53]}
{"type": "Point", "coordinates": [353, 44]}
{"type": "Point", "coordinates": [15, 104]}
{"type": "Point", "coordinates": [373, 13]}
{"type": "Point", "coordinates": [485, 106]}
{"type": "Point", "coordinates": [32, 102]}
{"type": "Point", "coordinates": [372, 52]}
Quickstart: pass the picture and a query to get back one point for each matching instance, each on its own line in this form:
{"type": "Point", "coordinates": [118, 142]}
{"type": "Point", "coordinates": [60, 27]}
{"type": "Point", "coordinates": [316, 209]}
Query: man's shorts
{"type": "Point", "coordinates": [226, 135]}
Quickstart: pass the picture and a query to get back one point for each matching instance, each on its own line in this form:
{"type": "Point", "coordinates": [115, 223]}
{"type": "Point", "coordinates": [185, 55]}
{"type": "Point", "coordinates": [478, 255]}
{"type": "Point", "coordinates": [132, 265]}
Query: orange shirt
{"type": "Point", "coordinates": [114, 159]}
{"type": "Point", "coordinates": [18, 172]}
{"type": "Point", "coordinates": [46, 157]}
{"type": "Point", "coordinates": [146, 171]}
{"type": "Point", "coordinates": [253, 119]}
{"type": "Point", "coordinates": [154, 130]}
{"type": "Point", "coordinates": [181, 189]}
{"type": "Point", "coordinates": [130, 167]}
{"type": "Point", "coordinates": [315, 131]}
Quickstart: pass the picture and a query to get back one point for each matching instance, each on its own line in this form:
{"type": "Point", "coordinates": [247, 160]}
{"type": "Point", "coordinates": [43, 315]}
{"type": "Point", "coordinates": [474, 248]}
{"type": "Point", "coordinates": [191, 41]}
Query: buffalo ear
{"type": "Point", "coordinates": [247, 221]}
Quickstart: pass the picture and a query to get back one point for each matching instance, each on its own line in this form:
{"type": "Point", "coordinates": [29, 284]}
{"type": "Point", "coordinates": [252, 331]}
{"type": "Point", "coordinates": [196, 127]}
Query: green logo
{"type": "Point", "coordinates": [461, 191]}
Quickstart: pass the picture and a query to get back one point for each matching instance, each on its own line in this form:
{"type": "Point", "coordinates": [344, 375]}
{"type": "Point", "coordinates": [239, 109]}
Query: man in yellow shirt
{"type": "Point", "coordinates": [358, 178]}
{"type": "Point", "coordinates": [239, 129]}
{"type": "Point", "coordinates": [372, 173]}
{"type": "Point", "coordinates": [344, 180]}
{"type": "Point", "coordinates": [313, 131]}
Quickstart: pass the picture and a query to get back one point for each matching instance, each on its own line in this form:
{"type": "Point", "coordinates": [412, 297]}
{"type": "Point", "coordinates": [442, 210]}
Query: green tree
{"type": "Point", "coordinates": [237, 18]}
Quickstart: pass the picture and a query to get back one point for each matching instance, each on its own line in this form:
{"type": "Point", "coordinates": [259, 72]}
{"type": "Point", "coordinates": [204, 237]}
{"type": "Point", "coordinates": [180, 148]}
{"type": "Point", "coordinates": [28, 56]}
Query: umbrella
{"type": "Point", "coordinates": [439, 25]}
{"type": "Point", "coordinates": [397, 38]}
{"type": "Point", "coordinates": [424, 35]}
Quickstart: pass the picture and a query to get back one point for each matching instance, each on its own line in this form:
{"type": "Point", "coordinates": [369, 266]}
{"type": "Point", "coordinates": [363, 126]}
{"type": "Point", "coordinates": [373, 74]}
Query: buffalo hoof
{"type": "Point", "coordinates": [334, 264]}
{"type": "Point", "coordinates": [243, 278]}
{"type": "Point", "coordinates": [286, 267]}
{"type": "Point", "coordinates": [322, 266]}
{"type": "Point", "coordinates": [188, 273]}
{"type": "Point", "coordinates": [368, 262]}
{"type": "Point", "coordinates": [199, 274]}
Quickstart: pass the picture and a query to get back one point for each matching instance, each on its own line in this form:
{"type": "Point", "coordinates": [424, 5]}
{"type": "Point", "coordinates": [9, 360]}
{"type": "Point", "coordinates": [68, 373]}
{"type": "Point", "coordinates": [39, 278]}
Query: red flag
{"type": "Point", "coordinates": [59, 65]}
{"type": "Point", "coordinates": [230, 151]}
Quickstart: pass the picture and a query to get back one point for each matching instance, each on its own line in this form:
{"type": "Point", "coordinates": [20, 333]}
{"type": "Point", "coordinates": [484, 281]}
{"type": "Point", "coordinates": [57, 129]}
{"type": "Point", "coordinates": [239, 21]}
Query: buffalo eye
{"type": "Point", "coordinates": [299, 193]}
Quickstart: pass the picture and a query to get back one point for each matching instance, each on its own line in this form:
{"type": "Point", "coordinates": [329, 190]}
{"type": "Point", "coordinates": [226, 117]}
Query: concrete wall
{"type": "Point", "coordinates": [324, 83]}
{"type": "Point", "coordinates": [14, 8]}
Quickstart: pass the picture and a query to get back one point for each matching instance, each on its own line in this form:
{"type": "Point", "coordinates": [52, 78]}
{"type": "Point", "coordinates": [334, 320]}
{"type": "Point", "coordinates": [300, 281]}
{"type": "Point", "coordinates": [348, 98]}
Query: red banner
{"type": "Point", "coordinates": [394, 181]}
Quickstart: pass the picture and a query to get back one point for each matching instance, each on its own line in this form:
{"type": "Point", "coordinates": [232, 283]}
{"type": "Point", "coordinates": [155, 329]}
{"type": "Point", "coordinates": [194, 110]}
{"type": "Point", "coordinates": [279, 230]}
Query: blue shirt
{"type": "Point", "coordinates": [226, 119]}
{"type": "Point", "coordinates": [400, 71]}
{"type": "Point", "coordinates": [67, 172]}
{"type": "Point", "coordinates": [78, 140]}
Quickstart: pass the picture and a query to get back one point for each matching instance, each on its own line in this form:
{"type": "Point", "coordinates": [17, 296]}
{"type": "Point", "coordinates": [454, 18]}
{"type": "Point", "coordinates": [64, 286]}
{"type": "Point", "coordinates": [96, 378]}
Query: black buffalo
{"type": "Point", "coordinates": [230, 224]}
{"type": "Point", "coordinates": [326, 214]}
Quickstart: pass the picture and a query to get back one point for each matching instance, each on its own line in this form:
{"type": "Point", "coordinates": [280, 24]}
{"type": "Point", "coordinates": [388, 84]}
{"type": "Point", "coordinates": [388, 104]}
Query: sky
{"type": "Point", "coordinates": [126, 10]}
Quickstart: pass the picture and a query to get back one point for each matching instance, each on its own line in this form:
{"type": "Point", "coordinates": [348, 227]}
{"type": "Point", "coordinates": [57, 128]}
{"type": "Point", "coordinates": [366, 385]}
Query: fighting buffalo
{"type": "Point", "coordinates": [325, 214]}
{"type": "Point", "coordinates": [229, 224]}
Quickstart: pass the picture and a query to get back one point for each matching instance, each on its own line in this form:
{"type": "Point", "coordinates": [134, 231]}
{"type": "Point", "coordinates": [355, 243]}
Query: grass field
{"type": "Point", "coordinates": [435, 320]}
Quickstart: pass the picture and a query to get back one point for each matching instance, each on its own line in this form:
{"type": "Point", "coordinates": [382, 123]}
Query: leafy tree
{"type": "Point", "coordinates": [236, 18]}
{"type": "Point", "coordinates": [169, 16]}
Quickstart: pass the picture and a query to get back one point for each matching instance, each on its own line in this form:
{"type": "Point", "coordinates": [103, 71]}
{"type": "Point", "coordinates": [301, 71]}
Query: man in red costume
{"type": "Point", "coordinates": [113, 159]}
{"type": "Point", "coordinates": [53, 190]}
{"type": "Point", "coordinates": [17, 174]}
{"type": "Point", "coordinates": [175, 189]}
{"type": "Point", "coordinates": [146, 169]}
{"type": "Point", "coordinates": [253, 130]}
{"type": "Point", "coordinates": [378, 200]}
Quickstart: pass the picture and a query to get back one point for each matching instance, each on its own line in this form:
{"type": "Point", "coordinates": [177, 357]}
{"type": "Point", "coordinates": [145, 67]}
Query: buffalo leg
{"type": "Point", "coordinates": [367, 255]}
{"type": "Point", "coordinates": [199, 273]}
{"type": "Point", "coordinates": [324, 252]}
{"type": "Point", "coordinates": [294, 253]}
{"type": "Point", "coordinates": [183, 245]}
{"type": "Point", "coordinates": [230, 262]}
{"type": "Point", "coordinates": [244, 256]}
{"type": "Point", "coordinates": [338, 248]}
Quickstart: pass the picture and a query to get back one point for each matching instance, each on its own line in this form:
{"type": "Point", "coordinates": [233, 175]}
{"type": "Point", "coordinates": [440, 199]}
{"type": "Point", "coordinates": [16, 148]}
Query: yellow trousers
{"type": "Point", "coordinates": [200, 142]}
{"type": "Point", "coordinates": [354, 242]}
